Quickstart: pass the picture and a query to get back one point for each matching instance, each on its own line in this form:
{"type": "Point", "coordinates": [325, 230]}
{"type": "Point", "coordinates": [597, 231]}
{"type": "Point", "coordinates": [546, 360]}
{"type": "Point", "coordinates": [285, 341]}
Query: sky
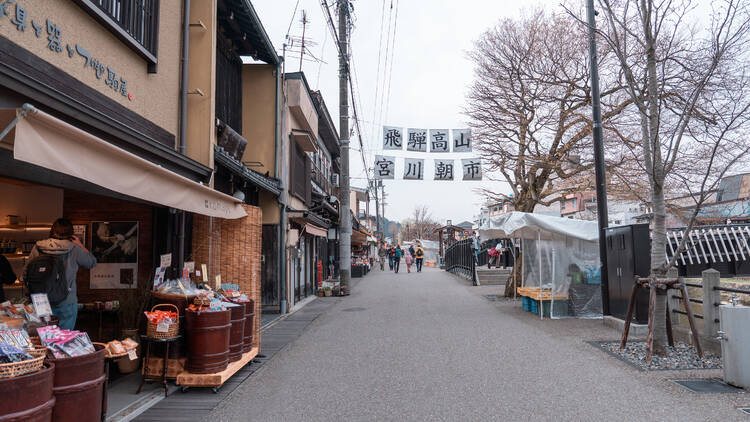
{"type": "Point", "coordinates": [429, 77]}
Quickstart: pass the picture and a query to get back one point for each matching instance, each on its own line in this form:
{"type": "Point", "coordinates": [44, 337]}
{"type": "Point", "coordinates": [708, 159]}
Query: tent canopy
{"type": "Point", "coordinates": [530, 226]}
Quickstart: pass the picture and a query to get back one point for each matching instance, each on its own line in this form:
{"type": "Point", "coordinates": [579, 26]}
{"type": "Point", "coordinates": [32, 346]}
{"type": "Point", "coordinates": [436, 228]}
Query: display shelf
{"type": "Point", "coordinates": [25, 226]}
{"type": "Point", "coordinates": [186, 379]}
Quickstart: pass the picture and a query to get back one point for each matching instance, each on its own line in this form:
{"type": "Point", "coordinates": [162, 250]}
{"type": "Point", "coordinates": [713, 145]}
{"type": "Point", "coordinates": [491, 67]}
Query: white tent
{"type": "Point", "coordinates": [561, 255]}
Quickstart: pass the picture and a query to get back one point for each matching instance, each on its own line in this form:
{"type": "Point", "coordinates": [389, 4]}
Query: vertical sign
{"type": "Point", "coordinates": [393, 138]}
{"type": "Point", "coordinates": [385, 167]}
{"type": "Point", "coordinates": [413, 169]}
{"type": "Point", "coordinates": [461, 140]}
{"type": "Point", "coordinates": [439, 140]}
{"type": "Point", "coordinates": [416, 140]}
{"type": "Point", "coordinates": [444, 169]}
{"type": "Point", "coordinates": [472, 168]}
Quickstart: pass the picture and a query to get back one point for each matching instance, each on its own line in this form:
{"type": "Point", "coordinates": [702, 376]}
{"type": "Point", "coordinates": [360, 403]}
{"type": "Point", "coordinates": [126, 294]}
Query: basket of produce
{"type": "Point", "coordinates": [162, 323]}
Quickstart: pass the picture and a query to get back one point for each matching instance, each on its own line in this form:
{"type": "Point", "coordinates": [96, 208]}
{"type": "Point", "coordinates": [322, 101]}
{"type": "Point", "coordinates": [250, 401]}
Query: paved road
{"type": "Point", "coordinates": [428, 346]}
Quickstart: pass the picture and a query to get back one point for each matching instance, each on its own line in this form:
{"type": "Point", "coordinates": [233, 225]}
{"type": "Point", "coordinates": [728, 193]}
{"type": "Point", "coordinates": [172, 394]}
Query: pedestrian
{"type": "Point", "coordinates": [419, 255]}
{"type": "Point", "coordinates": [7, 276]}
{"type": "Point", "coordinates": [57, 260]}
{"type": "Point", "coordinates": [408, 258]}
{"type": "Point", "coordinates": [411, 250]}
{"type": "Point", "coordinates": [382, 252]}
{"type": "Point", "coordinates": [397, 258]}
{"type": "Point", "coordinates": [492, 255]}
{"type": "Point", "coordinates": [391, 256]}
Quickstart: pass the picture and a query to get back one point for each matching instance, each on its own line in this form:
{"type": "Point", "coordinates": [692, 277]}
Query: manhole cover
{"type": "Point", "coordinates": [492, 298]}
{"type": "Point", "coordinates": [744, 410]}
{"type": "Point", "coordinates": [353, 309]}
{"type": "Point", "coordinates": [708, 386]}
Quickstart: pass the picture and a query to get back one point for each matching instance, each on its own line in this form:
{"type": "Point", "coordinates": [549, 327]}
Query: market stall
{"type": "Point", "coordinates": [560, 259]}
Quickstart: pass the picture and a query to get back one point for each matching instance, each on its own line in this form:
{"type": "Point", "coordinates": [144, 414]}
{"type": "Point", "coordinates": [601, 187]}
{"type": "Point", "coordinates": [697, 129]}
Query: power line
{"type": "Point", "coordinates": [390, 69]}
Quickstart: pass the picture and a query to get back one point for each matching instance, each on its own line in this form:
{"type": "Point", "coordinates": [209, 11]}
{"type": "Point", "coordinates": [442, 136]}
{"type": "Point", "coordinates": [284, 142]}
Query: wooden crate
{"type": "Point", "coordinates": [534, 293]}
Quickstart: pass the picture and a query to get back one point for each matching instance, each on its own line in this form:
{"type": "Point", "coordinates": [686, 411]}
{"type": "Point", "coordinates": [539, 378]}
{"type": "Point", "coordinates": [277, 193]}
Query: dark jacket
{"type": "Point", "coordinates": [7, 276]}
{"type": "Point", "coordinates": [397, 255]}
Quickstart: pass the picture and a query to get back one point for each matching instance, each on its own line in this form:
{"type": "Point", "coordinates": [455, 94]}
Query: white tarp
{"type": "Point", "coordinates": [522, 225]}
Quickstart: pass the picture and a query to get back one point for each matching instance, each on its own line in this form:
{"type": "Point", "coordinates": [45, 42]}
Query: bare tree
{"type": "Point", "coordinates": [529, 108]}
{"type": "Point", "coordinates": [420, 225]}
{"type": "Point", "coordinates": [688, 84]}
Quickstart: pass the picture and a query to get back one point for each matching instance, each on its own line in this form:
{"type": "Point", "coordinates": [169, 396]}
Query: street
{"type": "Point", "coordinates": [429, 346]}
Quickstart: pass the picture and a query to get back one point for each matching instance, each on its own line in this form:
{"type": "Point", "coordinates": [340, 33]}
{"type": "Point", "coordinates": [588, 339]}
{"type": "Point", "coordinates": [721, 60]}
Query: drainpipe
{"type": "Point", "coordinates": [282, 195]}
{"type": "Point", "coordinates": [183, 123]}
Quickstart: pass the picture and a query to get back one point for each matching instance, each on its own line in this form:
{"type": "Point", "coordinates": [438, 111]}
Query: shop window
{"type": "Point", "coordinates": [135, 22]}
{"type": "Point", "coordinates": [228, 84]}
{"type": "Point", "coordinates": [300, 173]}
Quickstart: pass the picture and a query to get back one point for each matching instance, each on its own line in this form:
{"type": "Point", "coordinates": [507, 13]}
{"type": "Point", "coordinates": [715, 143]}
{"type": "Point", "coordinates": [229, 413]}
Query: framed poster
{"type": "Point", "coordinates": [115, 246]}
{"type": "Point", "coordinates": [80, 231]}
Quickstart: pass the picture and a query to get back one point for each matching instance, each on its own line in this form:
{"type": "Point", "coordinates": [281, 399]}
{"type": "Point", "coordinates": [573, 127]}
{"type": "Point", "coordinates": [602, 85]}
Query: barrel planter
{"type": "Point", "coordinates": [208, 341]}
{"type": "Point", "coordinates": [236, 333]}
{"type": "Point", "coordinates": [79, 387]}
{"type": "Point", "coordinates": [28, 398]}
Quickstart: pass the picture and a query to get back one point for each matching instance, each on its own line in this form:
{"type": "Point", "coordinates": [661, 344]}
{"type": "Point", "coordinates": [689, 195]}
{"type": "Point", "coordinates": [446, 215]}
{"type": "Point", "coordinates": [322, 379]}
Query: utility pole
{"type": "Point", "coordinates": [345, 221]}
{"type": "Point", "coordinates": [382, 202]}
{"type": "Point", "coordinates": [374, 186]}
{"type": "Point", "coordinates": [599, 165]}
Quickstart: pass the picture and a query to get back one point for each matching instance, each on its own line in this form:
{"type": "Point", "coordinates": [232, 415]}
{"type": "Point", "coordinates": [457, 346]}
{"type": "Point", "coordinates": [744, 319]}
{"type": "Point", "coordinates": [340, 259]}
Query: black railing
{"type": "Point", "coordinates": [732, 290]}
{"type": "Point", "coordinates": [459, 259]}
{"type": "Point", "coordinates": [138, 18]}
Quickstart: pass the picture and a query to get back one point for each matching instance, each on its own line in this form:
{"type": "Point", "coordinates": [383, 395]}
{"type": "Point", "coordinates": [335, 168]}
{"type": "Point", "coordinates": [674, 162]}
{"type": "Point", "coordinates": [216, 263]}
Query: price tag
{"type": "Point", "coordinates": [162, 327]}
{"type": "Point", "coordinates": [190, 266]}
{"type": "Point", "coordinates": [41, 304]}
{"type": "Point", "coordinates": [204, 270]}
{"type": "Point", "coordinates": [132, 355]}
{"type": "Point", "coordinates": [218, 282]}
{"type": "Point", "coordinates": [166, 260]}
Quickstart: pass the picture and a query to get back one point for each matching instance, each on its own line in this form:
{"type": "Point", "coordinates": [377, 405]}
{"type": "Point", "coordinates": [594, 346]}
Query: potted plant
{"type": "Point", "coordinates": [132, 305]}
{"type": "Point", "coordinates": [327, 291]}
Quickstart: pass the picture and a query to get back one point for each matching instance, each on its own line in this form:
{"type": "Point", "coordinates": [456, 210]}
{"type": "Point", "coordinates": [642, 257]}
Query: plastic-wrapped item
{"type": "Point", "coordinates": [16, 338]}
{"type": "Point", "coordinates": [115, 348]}
{"type": "Point", "coordinates": [65, 343]}
{"type": "Point", "coordinates": [172, 286]}
{"type": "Point", "coordinates": [129, 344]}
{"type": "Point", "coordinates": [157, 317]}
{"type": "Point", "coordinates": [10, 353]}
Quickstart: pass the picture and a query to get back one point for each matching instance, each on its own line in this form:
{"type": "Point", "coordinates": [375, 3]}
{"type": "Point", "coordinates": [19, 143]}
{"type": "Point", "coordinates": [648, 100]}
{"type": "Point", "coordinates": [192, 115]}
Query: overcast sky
{"type": "Point", "coordinates": [429, 77]}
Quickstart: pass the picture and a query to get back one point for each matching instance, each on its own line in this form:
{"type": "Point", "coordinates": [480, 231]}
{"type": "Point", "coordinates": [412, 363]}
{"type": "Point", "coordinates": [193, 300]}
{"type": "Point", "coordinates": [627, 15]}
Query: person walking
{"type": "Point", "coordinates": [408, 258]}
{"type": "Point", "coordinates": [397, 258]}
{"type": "Point", "coordinates": [391, 256]}
{"type": "Point", "coordinates": [65, 252]}
{"type": "Point", "coordinates": [419, 255]}
{"type": "Point", "coordinates": [382, 252]}
{"type": "Point", "coordinates": [411, 250]}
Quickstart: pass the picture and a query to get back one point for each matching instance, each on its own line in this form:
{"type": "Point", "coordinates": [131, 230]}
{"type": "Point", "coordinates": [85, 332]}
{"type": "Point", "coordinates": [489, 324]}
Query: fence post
{"type": "Point", "coordinates": [674, 303]}
{"type": "Point", "coordinates": [711, 279]}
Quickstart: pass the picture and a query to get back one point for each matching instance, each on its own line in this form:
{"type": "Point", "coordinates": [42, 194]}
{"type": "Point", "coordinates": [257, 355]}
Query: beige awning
{"type": "Point", "coordinates": [315, 230]}
{"type": "Point", "coordinates": [51, 143]}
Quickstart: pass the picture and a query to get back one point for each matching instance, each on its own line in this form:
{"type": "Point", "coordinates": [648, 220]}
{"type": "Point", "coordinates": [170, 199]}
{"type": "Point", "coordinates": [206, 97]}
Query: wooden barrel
{"type": "Point", "coordinates": [79, 387]}
{"type": "Point", "coordinates": [208, 341]}
{"type": "Point", "coordinates": [236, 333]}
{"type": "Point", "coordinates": [247, 340]}
{"type": "Point", "coordinates": [28, 398]}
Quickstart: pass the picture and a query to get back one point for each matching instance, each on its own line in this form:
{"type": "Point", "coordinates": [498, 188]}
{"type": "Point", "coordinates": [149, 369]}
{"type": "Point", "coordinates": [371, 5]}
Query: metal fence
{"type": "Point", "coordinates": [459, 259]}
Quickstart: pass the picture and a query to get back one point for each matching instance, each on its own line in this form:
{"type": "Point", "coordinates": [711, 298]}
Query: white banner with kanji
{"type": "Point", "coordinates": [472, 168]}
{"type": "Point", "coordinates": [385, 167]}
{"type": "Point", "coordinates": [444, 169]}
{"type": "Point", "coordinates": [413, 169]}
{"type": "Point", "coordinates": [393, 138]}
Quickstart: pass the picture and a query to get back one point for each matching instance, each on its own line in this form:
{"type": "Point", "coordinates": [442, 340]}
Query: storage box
{"type": "Point", "coordinates": [560, 310]}
{"type": "Point", "coordinates": [526, 303]}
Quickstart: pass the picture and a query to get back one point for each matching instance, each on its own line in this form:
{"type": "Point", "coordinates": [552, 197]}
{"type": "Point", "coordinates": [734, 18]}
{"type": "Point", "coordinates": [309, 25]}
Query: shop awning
{"type": "Point", "coordinates": [315, 230]}
{"type": "Point", "coordinates": [49, 142]}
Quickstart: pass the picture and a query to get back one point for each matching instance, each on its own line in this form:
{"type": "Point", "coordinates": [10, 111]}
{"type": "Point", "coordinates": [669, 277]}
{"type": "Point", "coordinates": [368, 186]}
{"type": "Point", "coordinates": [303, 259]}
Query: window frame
{"type": "Point", "coordinates": [113, 26]}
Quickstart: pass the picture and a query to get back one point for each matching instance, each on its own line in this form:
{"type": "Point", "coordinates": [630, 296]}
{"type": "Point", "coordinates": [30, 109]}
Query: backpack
{"type": "Point", "coordinates": [46, 274]}
{"type": "Point", "coordinates": [420, 253]}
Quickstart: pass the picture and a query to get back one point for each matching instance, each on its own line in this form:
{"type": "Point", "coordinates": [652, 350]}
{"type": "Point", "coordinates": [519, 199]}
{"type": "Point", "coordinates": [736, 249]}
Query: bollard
{"type": "Point", "coordinates": [711, 279]}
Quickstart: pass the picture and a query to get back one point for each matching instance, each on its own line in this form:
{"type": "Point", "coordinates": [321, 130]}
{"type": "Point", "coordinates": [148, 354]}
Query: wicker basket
{"type": "Point", "coordinates": [38, 351]}
{"type": "Point", "coordinates": [14, 369]}
{"type": "Point", "coordinates": [173, 329]}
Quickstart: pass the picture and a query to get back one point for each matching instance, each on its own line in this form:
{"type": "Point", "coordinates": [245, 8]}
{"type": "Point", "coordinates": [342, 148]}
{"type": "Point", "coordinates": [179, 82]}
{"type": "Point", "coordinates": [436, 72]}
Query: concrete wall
{"type": "Point", "coordinates": [259, 116]}
{"type": "Point", "coordinates": [201, 128]}
{"type": "Point", "coordinates": [155, 96]}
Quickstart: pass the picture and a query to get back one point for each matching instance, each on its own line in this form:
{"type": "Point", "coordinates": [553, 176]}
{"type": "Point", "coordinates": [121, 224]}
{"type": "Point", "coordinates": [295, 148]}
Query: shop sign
{"type": "Point", "coordinates": [41, 304]}
{"type": "Point", "coordinates": [49, 31]}
{"type": "Point", "coordinates": [115, 246]}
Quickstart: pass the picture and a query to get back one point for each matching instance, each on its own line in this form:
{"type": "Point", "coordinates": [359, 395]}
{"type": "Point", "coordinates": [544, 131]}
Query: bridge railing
{"type": "Point", "coordinates": [460, 260]}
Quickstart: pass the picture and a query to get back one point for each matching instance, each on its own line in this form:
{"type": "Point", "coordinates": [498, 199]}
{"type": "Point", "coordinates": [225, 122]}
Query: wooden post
{"type": "Point", "coordinates": [670, 336]}
{"type": "Point", "coordinates": [629, 317]}
{"type": "Point", "coordinates": [651, 305]}
{"type": "Point", "coordinates": [689, 311]}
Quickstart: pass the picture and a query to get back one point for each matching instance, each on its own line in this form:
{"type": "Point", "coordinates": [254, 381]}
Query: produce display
{"type": "Point", "coordinates": [65, 343]}
{"type": "Point", "coordinates": [157, 316]}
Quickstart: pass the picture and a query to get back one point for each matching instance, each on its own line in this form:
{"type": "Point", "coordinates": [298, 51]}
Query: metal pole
{"type": "Point", "coordinates": [599, 165]}
{"type": "Point", "coordinates": [377, 208]}
{"type": "Point", "coordinates": [345, 222]}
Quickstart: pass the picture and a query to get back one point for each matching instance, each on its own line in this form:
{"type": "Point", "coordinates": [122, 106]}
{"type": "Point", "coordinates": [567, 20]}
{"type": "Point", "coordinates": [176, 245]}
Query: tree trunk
{"type": "Point", "coordinates": [515, 277]}
{"type": "Point", "coordinates": [658, 257]}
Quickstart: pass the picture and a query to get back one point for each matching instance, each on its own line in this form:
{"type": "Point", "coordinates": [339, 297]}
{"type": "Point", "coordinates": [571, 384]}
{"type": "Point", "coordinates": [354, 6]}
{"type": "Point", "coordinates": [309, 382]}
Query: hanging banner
{"type": "Point", "coordinates": [461, 140]}
{"type": "Point", "coordinates": [413, 169]}
{"type": "Point", "coordinates": [393, 137]}
{"type": "Point", "coordinates": [444, 169]}
{"type": "Point", "coordinates": [472, 168]}
{"type": "Point", "coordinates": [385, 167]}
{"type": "Point", "coordinates": [439, 140]}
{"type": "Point", "coordinates": [416, 140]}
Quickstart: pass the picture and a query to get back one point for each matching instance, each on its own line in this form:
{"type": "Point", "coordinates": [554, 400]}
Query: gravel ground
{"type": "Point", "coordinates": [427, 346]}
{"type": "Point", "coordinates": [682, 356]}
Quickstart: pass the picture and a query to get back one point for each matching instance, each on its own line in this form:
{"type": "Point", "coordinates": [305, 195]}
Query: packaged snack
{"type": "Point", "coordinates": [129, 344]}
{"type": "Point", "coordinates": [115, 348]}
{"type": "Point", "coordinates": [10, 354]}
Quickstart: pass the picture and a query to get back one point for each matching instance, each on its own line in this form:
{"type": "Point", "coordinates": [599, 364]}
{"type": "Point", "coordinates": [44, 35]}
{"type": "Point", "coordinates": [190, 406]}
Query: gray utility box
{"type": "Point", "coordinates": [735, 345]}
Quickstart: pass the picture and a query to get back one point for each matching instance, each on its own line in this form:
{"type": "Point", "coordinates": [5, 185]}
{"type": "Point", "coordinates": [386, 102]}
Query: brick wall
{"type": "Point", "coordinates": [232, 248]}
{"type": "Point", "coordinates": [83, 208]}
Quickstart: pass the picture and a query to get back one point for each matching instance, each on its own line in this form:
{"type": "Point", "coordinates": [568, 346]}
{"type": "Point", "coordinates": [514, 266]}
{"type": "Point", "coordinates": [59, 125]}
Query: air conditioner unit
{"type": "Point", "coordinates": [335, 179]}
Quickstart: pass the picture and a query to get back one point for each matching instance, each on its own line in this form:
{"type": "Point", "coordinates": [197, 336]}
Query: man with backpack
{"type": "Point", "coordinates": [52, 269]}
{"type": "Point", "coordinates": [419, 254]}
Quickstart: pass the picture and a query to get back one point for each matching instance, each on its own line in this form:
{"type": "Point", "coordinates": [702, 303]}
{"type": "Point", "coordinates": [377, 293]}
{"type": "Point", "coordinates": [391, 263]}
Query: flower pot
{"type": "Point", "coordinates": [321, 293]}
{"type": "Point", "coordinates": [328, 293]}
